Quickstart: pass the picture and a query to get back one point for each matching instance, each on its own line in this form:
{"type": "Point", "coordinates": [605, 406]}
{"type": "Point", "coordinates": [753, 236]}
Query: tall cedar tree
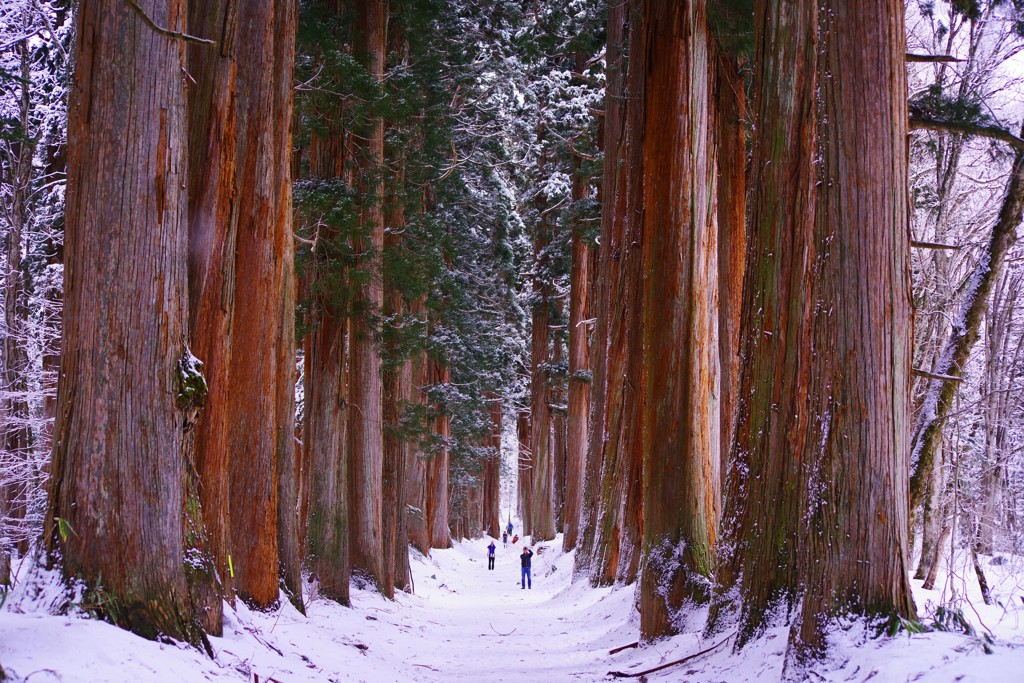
{"type": "Point", "coordinates": [821, 445]}
{"type": "Point", "coordinates": [258, 408]}
{"type": "Point", "coordinates": [365, 388]}
{"type": "Point", "coordinates": [126, 383]}
{"type": "Point", "coordinates": [212, 233]}
{"type": "Point", "coordinates": [680, 378]}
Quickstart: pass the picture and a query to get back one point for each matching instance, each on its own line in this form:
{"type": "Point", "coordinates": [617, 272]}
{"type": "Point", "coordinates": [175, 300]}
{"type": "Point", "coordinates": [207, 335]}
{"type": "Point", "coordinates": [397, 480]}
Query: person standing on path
{"type": "Point", "coordinates": [509, 527]}
{"type": "Point", "coordinates": [504, 539]}
{"type": "Point", "coordinates": [490, 555]}
{"type": "Point", "coordinates": [525, 560]}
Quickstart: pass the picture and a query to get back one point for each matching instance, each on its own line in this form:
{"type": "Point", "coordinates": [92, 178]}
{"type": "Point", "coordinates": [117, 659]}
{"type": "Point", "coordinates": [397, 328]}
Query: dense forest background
{"type": "Point", "coordinates": [741, 278]}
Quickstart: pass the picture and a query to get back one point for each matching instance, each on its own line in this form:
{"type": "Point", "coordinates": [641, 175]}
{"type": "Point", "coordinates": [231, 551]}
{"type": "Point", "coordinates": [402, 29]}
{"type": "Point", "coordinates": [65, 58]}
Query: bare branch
{"type": "Point", "coordinates": [919, 122]}
{"type": "Point", "coordinates": [166, 32]}
{"type": "Point", "coordinates": [932, 59]}
{"type": "Point", "coordinates": [933, 245]}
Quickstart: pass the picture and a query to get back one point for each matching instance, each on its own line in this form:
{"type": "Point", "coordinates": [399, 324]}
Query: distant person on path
{"type": "Point", "coordinates": [525, 558]}
{"type": "Point", "coordinates": [504, 539]}
{"type": "Point", "coordinates": [509, 527]}
{"type": "Point", "coordinates": [490, 555]}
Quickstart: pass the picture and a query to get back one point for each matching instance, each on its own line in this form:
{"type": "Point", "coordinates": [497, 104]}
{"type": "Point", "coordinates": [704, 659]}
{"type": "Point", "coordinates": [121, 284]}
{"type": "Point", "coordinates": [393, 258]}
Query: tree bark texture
{"type": "Point", "coordinates": [604, 272]}
{"type": "Point", "coordinates": [119, 430]}
{"type": "Point", "coordinates": [437, 469]}
{"type": "Point", "coordinates": [820, 473]}
{"type": "Point", "coordinates": [856, 554]}
{"type": "Point", "coordinates": [763, 495]}
{"type": "Point", "coordinates": [525, 471]}
{"type": "Point", "coordinates": [365, 389]}
{"type": "Point", "coordinates": [211, 253]}
{"type": "Point", "coordinates": [326, 408]}
{"type": "Point", "coordinates": [680, 379]}
{"type": "Point", "coordinates": [289, 473]}
{"type": "Point", "coordinates": [616, 546]}
{"type": "Point", "coordinates": [730, 103]}
{"type": "Point", "coordinates": [491, 522]}
{"type": "Point", "coordinates": [542, 521]}
{"type": "Point", "coordinates": [578, 406]}
{"type": "Point", "coordinates": [263, 241]}
{"type": "Point", "coordinates": [418, 465]}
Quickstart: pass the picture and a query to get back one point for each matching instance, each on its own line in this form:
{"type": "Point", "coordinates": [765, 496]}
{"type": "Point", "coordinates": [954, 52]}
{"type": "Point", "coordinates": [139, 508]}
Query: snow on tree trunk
{"type": "Point", "coordinates": [116, 494]}
{"type": "Point", "coordinates": [680, 379]}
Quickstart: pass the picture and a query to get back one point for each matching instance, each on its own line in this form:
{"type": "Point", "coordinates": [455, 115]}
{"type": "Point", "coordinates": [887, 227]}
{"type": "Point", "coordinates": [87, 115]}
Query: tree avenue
{"type": "Point", "coordinates": [345, 280]}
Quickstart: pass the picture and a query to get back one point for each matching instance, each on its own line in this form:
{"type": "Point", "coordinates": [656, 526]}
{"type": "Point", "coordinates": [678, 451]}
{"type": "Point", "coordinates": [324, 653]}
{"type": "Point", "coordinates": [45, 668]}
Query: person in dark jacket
{"type": "Point", "coordinates": [504, 539]}
{"type": "Point", "coordinates": [525, 560]}
{"type": "Point", "coordinates": [490, 555]}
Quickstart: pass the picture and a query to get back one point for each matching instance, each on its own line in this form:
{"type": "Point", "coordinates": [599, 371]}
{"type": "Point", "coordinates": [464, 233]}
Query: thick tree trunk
{"type": "Point", "coordinates": [212, 237]}
{"type": "Point", "coordinates": [730, 102]}
{"type": "Point", "coordinates": [525, 471]}
{"type": "Point", "coordinates": [437, 469]}
{"type": "Point", "coordinates": [556, 404]}
{"type": "Point", "coordinates": [365, 418]}
{"type": "Point", "coordinates": [616, 549]}
{"type": "Point", "coordinates": [418, 465]}
{"type": "Point", "coordinates": [542, 520]}
{"type": "Point", "coordinates": [604, 272]}
{"type": "Point", "coordinates": [289, 521]}
{"type": "Point", "coordinates": [263, 241]}
{"type": "Point", "coordinates": [577, 420]}
{"type": "Point", "coordinates": [680, 380]}
{"type": "Point", "coordinates": [326, 409]}
{"type": "Point", "coordinates": [763, 496]}
{"type": "Point", "coordinates": [492, 475]}
{"type": "Point", "coordinates": [857, 558]}
{"type": "Point", "coordinates": [123, 395]}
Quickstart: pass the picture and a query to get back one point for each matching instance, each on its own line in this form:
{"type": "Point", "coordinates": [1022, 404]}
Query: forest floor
{"type": "Point", "coordinates": [466, 623]}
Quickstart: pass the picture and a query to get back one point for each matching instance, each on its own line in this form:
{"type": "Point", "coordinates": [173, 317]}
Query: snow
{"type": "Point", "coordinates": [466, 623]}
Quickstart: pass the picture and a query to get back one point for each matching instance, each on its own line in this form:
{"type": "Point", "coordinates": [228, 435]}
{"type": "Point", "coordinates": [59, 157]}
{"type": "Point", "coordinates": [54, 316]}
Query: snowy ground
{"type": "Point", "coordinates": [466, 623]}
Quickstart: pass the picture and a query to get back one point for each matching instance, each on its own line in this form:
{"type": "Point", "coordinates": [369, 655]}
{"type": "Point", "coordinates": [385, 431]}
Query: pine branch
{"type": "Point", "coordinates": [923, 122]}
{"type": "Point", "coordinates": [148, 21]}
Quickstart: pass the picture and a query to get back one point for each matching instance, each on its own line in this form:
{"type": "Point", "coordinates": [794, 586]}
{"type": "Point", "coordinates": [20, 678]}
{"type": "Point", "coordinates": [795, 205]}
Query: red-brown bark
{"type": "Point", "coordinates": [365, 389]}
{"type": "Point", "coordinates": [437, 468]}
{"type": "Point", "coordinates": [263, 239]}
{"type": "Point", "coordinates": [212, 226]}
{"type": "Point", "coordinates": [578, 406]}
{"type": "Point", "coordinates": [680, 379]}
{"type": "Point", "coordinates": [119, 423]}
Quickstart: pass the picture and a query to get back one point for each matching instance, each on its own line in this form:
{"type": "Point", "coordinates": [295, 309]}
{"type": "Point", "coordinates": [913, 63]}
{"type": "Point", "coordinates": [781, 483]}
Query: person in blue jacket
{"type": "Point", "coordinates": [525, 560]}
{"type": "Point", "coordinates": [509, 528]}
{"type": "Point", "coordinates": [490, 555]}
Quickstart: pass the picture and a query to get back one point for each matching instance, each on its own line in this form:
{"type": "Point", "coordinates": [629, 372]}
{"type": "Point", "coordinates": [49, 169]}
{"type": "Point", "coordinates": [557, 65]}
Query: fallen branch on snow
{"type": "Point", "coordinates": [624, 647]}
{"type": "Point", "coordinates": [637, 674]}
{"type": "Point", "coordinates": [499, 632]}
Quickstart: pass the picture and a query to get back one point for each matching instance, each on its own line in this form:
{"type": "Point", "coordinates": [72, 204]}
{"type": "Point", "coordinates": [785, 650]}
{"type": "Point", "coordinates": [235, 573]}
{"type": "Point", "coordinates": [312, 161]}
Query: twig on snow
{"type": "Point", "coordinates": [637, 674]}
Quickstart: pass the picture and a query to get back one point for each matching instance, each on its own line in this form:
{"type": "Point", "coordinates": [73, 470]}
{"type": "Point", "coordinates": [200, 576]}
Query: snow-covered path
{"type": "Point", "coordinates": [466, 623]}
